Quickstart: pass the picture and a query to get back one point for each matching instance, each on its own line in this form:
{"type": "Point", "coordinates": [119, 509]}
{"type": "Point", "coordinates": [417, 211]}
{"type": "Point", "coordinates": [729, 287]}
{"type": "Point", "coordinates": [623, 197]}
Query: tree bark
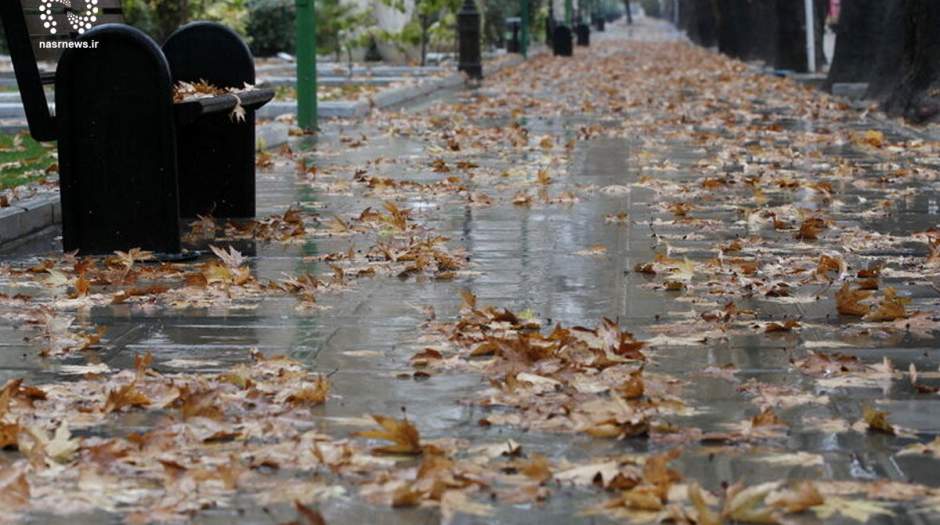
{"type": "Point", "coordinates": [733, 27]}
{"type": "Point", "coordinates": [698, 20]}
{"type": "Point", "coordinates": [859, 38]}
{"type": "Point", "coordinates": [916, 95]}
{"type": "Point", "coordinates": [887, 65]}
{"type": "Point", "coordinates": [773, 31]}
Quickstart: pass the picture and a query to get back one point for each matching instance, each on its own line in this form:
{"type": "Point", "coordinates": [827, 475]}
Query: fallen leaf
{"type": "Point", "coordinates": [877, 420]}
{"type": "Point", "coordinates": [401, 432]}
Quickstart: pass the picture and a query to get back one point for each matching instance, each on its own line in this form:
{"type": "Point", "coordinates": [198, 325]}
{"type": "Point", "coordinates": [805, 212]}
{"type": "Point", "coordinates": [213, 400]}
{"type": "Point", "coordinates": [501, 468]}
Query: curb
{"type": "Point", "coordinates": [29, 216]}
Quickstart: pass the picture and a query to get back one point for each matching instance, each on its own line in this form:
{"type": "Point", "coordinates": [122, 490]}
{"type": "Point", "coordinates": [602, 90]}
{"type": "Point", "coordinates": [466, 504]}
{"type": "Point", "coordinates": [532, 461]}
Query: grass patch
{"type": "Point", "coordinates": [23, 160]}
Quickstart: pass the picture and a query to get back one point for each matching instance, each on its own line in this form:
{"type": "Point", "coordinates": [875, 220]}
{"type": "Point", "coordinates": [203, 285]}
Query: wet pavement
{"type": "Point", "coordinates": [623, 183]}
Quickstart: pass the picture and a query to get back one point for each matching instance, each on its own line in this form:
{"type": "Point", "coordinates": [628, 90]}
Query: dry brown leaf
{"type": "Point", "coordinates": [847, 301]}
{"type": "Point", "coordinates": [767, 417]}
{"type": "Point", "coordinates": [787, 326]}
{"type": "Point", "coordinates": [128, 396]}
{"type": "Point", "coordinates": [890, 308]}
{"type": "Point", "coordinates": [401, 432]}
{"type": "Point", "coordinates": [311, 395]}
{"type": "Point", "coordinates": [798, 499]}
{"type": "Point", "coordinates": [810, 229]}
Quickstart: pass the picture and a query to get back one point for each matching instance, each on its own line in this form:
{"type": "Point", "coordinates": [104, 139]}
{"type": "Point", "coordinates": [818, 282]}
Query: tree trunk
{"type": "Point", "coordinates": [425, 27]}
{"type": "Point", "coordinates": [917, 94]}
{"type": "Point", "coordinates": [887, 71]}
{"type": "Point", "coordinates": [859, 37]}
{"type": "Point", "coordinates": [773, 31]}
{"type": "Point", "coordinates": [626, 5]}
{"type": "Point", "coordinates": [733, 27]}
{"type": "Point", "coordinates": [698, 20]}
{"type": "Point", "coordinates": [790, 49]}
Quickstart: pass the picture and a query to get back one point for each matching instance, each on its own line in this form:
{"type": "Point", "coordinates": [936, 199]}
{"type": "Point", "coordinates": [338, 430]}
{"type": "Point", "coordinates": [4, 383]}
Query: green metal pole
{"type": "Point", "coordinates": [569, 12]}
{"type": "Point", "coordinates": [306, 27]}
{"type": "Point", "coordinates": [525, 28]}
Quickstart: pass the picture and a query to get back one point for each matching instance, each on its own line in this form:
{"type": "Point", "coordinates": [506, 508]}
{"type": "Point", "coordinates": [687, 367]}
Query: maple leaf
{"type": "Point", "coordinates": [401, 432]}
{"type": "Point", "coordinates": [890, 309]}
{"type": "Point", "coordinates": [827, 264]}
{"type": "Point", "coordinates": [311, 395]}
{"type": "Point", "coordinates": [126, 396]}
{"type": "Point", "coordinates": [231, 258]}
{"type": "Point", "coordinates": [847, 301]}
{"type": "Point", "coordinates": [82, 287]}
{"type": "Point", "coordinates": [61, 448]}
{"type": "Point", "coordinates": [238, 112]}
{"type": "Point", "coordinates": [398, 218]}
{"type": "Point", "coordinates": [132, 256]}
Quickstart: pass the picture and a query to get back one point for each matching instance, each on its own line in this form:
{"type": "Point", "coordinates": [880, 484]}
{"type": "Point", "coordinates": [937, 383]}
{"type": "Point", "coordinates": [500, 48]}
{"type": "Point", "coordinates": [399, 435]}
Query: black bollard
{"type": "Point", "coordinates": [514, 43]}
{"type": "Point", "coordinates": [468, 30]}
{"type": "Point", "coordinates": [584, 34]}
{"type": "Point", "coordinates": [117, 144]}
{"type": "Point", "coordinates": [562, 41]}
{"type": "Point", "coordinates": [216, 154]}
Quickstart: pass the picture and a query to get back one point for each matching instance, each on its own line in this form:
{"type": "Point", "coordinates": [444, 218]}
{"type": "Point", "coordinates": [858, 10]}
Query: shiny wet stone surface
{"type": "Point", "coordinates": [646, 182]}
